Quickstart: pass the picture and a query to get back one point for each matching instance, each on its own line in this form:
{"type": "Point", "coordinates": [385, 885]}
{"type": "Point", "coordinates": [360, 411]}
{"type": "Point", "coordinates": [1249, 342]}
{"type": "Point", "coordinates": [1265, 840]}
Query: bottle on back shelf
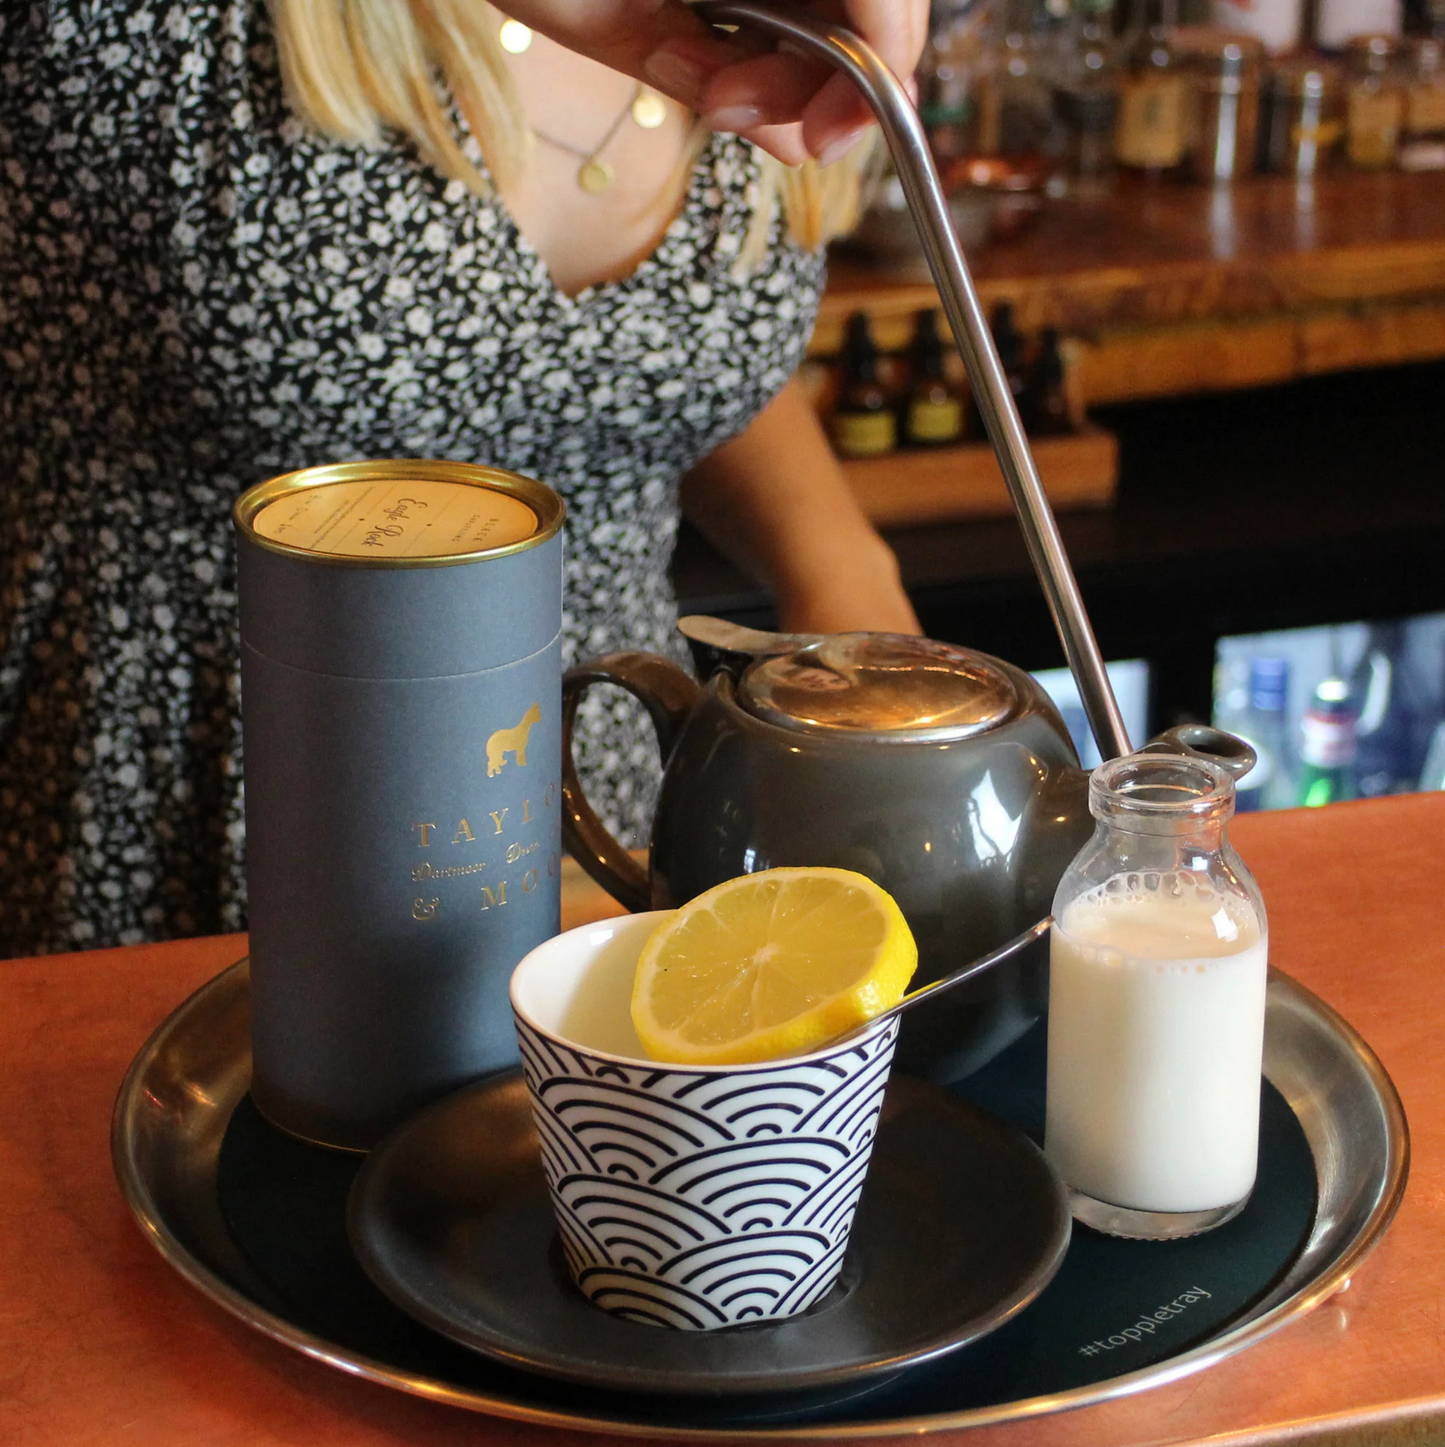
{"type": "Point", "coordinates": [1010, 343]}
{"type": "Point", "coordinates": [948, 77]}
{"type": "Point", "coordinates": [1048, 413]}
{"type": "Point", "coordinates": [1086, 94]}
{"type": "Point", "coordinates": [1151, 129]}
{"type": "Point", "coordinates": [1374, 102]}
{"type": "Point", "coordinates": [1232, 714]}
{"type": "Point", "coordinates": [1393, 718]}
{"type": "Point", "coordinates": [1015, 110]}
{"type": "Point", "coordinates": [863, 423]}
{"type": "Point", "coordinates": [1328, 746]}
{"type": "Point", "coordinates": [1268, 730]}
{"type": "Point", "coordinates": [1422, 142]}
{"type": "Point", "coordinates": [933, 413]}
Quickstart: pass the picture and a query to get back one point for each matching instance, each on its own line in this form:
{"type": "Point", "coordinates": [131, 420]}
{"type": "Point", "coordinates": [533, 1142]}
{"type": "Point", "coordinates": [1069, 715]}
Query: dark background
{"type": "Point", "coordinates": [1317, 502]}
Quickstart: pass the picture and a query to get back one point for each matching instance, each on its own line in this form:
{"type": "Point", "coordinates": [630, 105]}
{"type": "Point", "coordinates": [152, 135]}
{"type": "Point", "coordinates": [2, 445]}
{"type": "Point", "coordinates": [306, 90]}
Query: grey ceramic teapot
{"type": "Point", "coordinates": [944, 774]}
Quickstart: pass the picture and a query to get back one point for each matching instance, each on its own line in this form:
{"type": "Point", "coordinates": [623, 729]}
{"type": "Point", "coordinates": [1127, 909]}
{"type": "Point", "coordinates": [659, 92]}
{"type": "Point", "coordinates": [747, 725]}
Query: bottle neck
{"type": "Point", "coordinates": [1146, 846]}
{"type": "Point", "coordinates": [1166, 797]}
{"type": "Point", "coordinates": [1151, 24]}
{"type": "Point", "coordinates": [928, 363]}
{"type": "Point", "coordinates": [1157, 16]}
{"type": "Point", "coordinates": [860, 364]}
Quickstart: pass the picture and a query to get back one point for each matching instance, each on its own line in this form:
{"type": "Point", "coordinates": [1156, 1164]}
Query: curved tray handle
{"type": "Point", "coordinates": [903, 131]}
{"type": "Point", "coordinates": [669, 696]}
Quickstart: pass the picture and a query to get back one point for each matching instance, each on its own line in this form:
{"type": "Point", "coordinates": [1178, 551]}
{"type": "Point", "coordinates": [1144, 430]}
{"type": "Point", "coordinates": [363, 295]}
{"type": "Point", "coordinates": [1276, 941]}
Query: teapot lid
{"type": "Point", "coordinates": [880, 686]}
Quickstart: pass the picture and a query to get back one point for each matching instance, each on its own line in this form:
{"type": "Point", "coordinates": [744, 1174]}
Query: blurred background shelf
{"type": "Point", "coordinates": [1172, 289]}
{"type": "Point", "coordinates": [948, 484]}
{"type": "Point", "coordinates": [1321, 501]}
{"type": "Point", "coordinates": [1269, 358]}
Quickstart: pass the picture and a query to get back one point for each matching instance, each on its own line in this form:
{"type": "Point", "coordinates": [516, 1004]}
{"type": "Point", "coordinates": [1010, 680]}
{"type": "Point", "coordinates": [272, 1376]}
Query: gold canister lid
{"type": "Point", "coordinates": [881, 686]}
{"type": "Point", "coordinates": [401, 513]}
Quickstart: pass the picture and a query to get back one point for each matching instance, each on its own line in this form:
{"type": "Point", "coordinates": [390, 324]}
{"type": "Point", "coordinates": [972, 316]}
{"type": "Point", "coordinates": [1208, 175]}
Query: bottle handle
{"type": "Point", "coordinates": [669, 696]}
{"type": "Point", "coordinates": [1199, 741]}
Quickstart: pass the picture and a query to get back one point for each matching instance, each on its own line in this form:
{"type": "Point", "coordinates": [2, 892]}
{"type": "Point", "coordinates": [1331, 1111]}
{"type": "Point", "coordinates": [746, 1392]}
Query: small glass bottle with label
{"type": "Point", "coordinates": [934, 413]}
{"type": "Point", "coordinates": [1012, 353]}
{"type": "Point", "coordinates": [863, 423]}
{"type": "Point", "coordinates": [1150, 128]}
{"type": "Point", "coordinates": [1304, 116]}
{"type": "Point", "coordinates": [1157, 970]}
{"type": "Point", "coordinates": [1049, 412]}
{"type": "Point", "coordinates": [1374, 102]}
{"type": "Point", "coordinates": [1224, 91]}
{"type": "Point", "coordinates": [1015, 115]}
{"type": "Point", "coordinates": [1422, 142]}
{"type": "Point", "coordinates": [1086, 99]}
{"type": "Point", "coordinates": [948, 77]}
{"type": "Point", "coordinates": [1329, 744]}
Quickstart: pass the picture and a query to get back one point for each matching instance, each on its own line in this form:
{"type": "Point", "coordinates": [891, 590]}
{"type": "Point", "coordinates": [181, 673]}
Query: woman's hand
{"type": "Point", "coordinates": [790, 105]}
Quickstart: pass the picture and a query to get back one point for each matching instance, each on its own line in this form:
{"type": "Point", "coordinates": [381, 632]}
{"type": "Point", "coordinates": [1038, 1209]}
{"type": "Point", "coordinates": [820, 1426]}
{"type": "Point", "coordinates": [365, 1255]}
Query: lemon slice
{"type": "Point", "coordinates": [770, 964]}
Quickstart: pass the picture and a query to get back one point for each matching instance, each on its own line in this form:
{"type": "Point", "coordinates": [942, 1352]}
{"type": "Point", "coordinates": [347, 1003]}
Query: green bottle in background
{"type": "Point", "coordinates": [1328, 746]}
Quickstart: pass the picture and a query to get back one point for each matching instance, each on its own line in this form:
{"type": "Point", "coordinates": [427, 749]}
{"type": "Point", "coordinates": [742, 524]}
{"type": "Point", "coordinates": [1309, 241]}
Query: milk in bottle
{"type": "Point", "coordinates": [1158, 966]}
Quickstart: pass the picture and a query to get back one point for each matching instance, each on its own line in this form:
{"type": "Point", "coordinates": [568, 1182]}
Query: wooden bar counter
{"type": "Point", "coordinates": [102, 1343]}
{"type": "Point", "coordinates": [1172, 288]}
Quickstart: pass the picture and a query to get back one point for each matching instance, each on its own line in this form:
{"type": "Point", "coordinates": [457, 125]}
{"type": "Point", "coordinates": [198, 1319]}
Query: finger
{"type": "Point", "coordinates": [683, 67]}
{"type": "Point", "coordinates": [896, 29]}
{"type": "Point", "coordinates": [834, 118]}
{"type": "Point", "coordinates": [659, 41]}
{"type": "Point", "coordinates": [783, 142]}
{"type": "Point", "coordinates": [769, 90]}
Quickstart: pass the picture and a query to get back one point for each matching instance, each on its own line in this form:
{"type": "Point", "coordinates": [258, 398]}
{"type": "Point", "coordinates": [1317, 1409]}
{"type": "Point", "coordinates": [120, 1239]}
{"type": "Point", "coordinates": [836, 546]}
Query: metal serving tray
{"type": "Point", "coordinates": [178, 1095]}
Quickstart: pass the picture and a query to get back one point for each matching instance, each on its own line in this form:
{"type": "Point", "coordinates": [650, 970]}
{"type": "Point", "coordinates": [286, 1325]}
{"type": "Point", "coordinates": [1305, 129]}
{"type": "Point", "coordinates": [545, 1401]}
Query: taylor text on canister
{"type": "Point", "coordinates": [400, 661]}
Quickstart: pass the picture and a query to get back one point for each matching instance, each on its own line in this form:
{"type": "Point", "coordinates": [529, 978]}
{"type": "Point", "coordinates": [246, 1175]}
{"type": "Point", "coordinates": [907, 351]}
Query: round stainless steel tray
{"type": "Point", "coordinates": [179, 1093]}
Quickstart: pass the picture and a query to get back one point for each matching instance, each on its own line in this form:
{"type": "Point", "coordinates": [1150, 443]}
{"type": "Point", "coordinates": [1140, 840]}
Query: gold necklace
{"type": "Point", "coordinates": [647, 108]}
{"type": "Point", "coordinates": [595, 175]}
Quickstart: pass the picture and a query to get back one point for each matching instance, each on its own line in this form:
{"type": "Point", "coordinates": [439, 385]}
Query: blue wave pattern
{"type": "Point", "coordinates": [692, 1199]}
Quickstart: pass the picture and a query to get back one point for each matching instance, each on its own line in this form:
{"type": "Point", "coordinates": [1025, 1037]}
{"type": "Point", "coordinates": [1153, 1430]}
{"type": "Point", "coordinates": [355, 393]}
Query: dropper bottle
{"type": "Point", "coordinates": [863, 423]}
{"type": "Point", "coordinates": [934, 413]}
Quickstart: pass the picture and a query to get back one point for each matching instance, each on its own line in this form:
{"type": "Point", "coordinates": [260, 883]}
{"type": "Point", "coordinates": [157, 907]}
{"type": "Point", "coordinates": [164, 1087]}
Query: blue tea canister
{"type": "Point", "coordinates": [401, 690]}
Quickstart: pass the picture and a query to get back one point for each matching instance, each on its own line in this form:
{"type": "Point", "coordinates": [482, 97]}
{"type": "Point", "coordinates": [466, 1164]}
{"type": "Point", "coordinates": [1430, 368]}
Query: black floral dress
{"type": "Point", "coordinates": [197, 293]}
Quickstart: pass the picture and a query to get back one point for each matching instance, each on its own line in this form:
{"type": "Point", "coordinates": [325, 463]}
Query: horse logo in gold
{"type": "Point", "coordinates": [511, 741]}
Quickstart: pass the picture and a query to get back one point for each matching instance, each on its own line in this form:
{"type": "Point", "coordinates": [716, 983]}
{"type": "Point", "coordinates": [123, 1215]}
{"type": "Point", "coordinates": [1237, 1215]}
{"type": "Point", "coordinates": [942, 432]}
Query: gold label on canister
{"type": "Point", "coordinates": [412, 518]}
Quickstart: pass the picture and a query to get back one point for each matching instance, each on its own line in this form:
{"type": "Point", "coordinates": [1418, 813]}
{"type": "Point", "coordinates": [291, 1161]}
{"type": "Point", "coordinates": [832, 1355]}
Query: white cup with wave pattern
{"type": "Point", "coordinates": [693, 1197]}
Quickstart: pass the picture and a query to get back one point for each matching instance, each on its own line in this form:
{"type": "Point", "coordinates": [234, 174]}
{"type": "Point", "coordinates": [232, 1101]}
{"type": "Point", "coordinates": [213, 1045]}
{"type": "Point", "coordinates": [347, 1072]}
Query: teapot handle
{"type": "Point", "coordinates": [1199, 741]}
{"type": "Point", "coordinates": [669, 696]}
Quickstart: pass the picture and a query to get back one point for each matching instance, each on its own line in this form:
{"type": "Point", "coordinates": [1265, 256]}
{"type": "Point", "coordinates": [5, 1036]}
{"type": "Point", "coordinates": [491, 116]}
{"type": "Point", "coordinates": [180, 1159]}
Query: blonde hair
{"type": "Point", "coordinates": [357, 68]}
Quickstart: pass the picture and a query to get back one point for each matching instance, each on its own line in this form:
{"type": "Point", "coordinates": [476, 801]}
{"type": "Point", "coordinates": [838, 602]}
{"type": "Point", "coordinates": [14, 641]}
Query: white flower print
{"type": "Point", "coordinates": [196, 293]}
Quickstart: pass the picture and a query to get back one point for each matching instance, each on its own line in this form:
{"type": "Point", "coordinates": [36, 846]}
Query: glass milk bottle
{"type": "Point", "coordinates": [1156, 1006]}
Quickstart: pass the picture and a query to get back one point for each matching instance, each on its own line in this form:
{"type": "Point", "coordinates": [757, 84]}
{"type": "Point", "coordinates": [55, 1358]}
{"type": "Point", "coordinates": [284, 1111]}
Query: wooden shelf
{"type": "Point", "coordinates": [1173, 289]}
{"type": "Point", "coordinates": [906, 489]}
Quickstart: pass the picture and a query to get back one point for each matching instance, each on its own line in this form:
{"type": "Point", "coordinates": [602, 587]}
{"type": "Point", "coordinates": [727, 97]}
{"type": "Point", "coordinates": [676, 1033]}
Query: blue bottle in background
{"type": "Point", "coordinates": [1268, 730]}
